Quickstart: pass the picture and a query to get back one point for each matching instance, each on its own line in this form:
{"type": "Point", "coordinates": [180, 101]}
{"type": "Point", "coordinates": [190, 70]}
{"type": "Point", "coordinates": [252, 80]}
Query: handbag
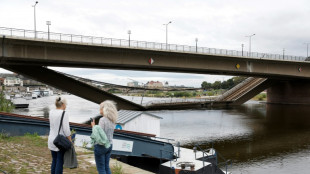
{"type": "Point", "coordinates": [62, 142]}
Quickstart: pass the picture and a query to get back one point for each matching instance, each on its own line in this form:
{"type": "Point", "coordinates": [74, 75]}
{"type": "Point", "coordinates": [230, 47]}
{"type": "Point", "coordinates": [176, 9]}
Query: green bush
{"type": "Point", "coordinates": [261, 97]}
{"type": "Point", "coordinates": [5, 105]}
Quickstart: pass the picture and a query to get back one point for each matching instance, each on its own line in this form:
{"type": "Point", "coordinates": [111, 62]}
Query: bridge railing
{"type": "Point", "coordinates": [177, 101]}
{"type": "Point", "coordinates": [92, 40]}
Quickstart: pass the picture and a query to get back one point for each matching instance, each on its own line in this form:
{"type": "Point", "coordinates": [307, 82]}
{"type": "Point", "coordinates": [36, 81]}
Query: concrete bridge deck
{"type": "Point", "coordinates": [21, 52]}
{"type": "Point", "coordinates": [19, 47]}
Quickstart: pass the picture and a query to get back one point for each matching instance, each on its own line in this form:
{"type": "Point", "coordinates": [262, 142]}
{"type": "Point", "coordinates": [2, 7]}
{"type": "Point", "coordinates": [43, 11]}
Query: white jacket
{"type": "Point", "coordinates": [54, 117]}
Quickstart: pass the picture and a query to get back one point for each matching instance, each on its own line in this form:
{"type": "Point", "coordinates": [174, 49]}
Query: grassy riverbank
{"type": "Point", "coordinates": [260, 97]}
{"type": "Point", "coordinates": [29, 154]}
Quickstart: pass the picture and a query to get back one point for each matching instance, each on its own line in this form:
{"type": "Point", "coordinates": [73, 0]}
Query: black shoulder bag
{"type": "Point", "coordinates": [62, 142]}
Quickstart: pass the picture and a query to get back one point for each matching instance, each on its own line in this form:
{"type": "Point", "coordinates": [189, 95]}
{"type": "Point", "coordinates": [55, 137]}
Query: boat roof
{"type": "Point", "coordinates": [125, 116]}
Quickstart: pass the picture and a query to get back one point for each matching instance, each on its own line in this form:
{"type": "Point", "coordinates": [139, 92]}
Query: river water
{"type": "Point", "coordinates": [257, 137]}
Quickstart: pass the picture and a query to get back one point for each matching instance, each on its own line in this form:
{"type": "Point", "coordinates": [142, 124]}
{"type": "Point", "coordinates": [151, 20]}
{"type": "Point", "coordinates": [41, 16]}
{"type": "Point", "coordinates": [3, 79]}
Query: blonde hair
{"type": "Point", "coordinates": [60, 101]}
{"type": "Point", "coordinates": [109, 110]}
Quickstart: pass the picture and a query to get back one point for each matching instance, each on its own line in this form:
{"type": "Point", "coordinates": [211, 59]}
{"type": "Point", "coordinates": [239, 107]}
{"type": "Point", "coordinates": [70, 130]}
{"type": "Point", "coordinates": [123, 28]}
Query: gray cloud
{"type": "Point", "coordinates": [223, 24]}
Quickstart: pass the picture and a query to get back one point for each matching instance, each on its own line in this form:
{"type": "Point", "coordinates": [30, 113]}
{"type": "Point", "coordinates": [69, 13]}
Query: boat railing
{"type": "Point", "coordinates": [170, 152]}
{"type": "Point", "coordinates": [226, 162]}
{"type": "Point", "coordinates": [204, 152]}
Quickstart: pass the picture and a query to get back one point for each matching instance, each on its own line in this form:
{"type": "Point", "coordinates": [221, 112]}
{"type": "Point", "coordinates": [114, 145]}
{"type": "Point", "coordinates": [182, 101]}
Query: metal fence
{"type": "Point", "coordinates": [92, 40]}
{"type": "Point", "coordinates": [178, 101]}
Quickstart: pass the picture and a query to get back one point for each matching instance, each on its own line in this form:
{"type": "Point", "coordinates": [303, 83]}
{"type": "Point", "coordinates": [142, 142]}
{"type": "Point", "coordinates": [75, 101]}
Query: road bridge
{"type": "Point", "coordinates": [20, 48]}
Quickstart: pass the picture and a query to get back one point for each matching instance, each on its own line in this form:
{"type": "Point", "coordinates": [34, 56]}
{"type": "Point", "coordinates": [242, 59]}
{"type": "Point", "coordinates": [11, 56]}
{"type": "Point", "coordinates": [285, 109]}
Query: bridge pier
{"type": "Point", "coordinates": [289, 92]}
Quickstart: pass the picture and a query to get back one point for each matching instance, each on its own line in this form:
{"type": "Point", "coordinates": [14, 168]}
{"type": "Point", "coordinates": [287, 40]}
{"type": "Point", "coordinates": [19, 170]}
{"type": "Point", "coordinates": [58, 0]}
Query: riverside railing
{"type": "Point", "coordinates": [177, 101]}
{"type": "Point", "coordinates": [227, 163]}
{"type": "Point", "coordinates": [103, 41]}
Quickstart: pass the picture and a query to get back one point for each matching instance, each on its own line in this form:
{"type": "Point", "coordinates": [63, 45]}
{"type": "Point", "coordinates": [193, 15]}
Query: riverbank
{"type": "Point", "coordinates": [30, 154]}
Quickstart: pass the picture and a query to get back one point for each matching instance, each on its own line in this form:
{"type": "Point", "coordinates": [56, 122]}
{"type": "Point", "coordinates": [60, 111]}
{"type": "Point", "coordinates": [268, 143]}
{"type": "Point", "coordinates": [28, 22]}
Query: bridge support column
{"type": "Point", "coordinates": [290, 92]}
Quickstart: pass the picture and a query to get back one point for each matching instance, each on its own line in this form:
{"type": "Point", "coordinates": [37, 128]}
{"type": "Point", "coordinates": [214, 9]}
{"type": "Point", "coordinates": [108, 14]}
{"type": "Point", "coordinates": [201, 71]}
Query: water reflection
{"type": "Point", "coordinates": [278, 132]}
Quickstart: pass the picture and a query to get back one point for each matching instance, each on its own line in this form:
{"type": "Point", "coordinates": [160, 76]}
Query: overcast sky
{"type": "Point", "coordinates": [222, 24]}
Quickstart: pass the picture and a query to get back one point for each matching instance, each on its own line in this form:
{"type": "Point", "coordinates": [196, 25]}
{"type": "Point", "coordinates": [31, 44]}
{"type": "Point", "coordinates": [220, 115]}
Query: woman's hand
{"type": "Point", "coordinates": [92, 123]}
{"type": "Point", "coordinates": [69, 138]}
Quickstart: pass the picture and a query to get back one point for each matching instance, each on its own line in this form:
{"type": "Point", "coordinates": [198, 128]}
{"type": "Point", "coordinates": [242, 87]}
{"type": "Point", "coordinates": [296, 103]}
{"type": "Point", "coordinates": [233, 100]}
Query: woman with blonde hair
{"type": "Point", "coordinates": [107, 123]}
{"type": "Point", "coordinates": [55, 117]}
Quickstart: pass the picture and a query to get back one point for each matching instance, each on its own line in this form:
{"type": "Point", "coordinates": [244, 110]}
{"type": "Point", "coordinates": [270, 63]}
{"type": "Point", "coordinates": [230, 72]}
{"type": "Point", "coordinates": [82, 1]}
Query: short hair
{"type": "Point", "coordinates": [60, 101]}
{"type": "Point", "coordinates": [109, 110]}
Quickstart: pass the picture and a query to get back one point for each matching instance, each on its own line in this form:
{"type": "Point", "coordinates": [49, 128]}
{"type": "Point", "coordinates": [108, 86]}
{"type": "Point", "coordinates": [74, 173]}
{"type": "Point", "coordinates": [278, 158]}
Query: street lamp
{"type": "Point", "coordinates": [48, 23]}
{"type": "Point", "coordinates": [242, 45]}
{"type": "Point", "coordinates": [35, 27]}
{"type": "Point", "coordinates": [250, 38]}
{"type": "Point", "coordinates": [129, 33]}
{"type": "Point", "coordinates": [307, 49]}
{"type": "Point", "coordinates": [143, 85]}
{"type": "Point", "coordinates": [167, 32]}
{"type": "Point", "coordinates": [196, 40]}
{"type": "Point", "coordinates": [283, 52]}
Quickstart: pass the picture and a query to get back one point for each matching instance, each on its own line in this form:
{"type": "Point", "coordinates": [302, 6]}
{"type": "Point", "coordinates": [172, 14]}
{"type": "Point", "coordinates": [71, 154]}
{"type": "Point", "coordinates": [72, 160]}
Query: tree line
{"type": "Point", "coordinates": [228, 84]}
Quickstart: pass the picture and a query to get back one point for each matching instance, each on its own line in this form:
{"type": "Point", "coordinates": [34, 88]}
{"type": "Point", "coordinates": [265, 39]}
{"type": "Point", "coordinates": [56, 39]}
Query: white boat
{"type": "Point", "coordinates": [48, 92]}
{"type": "Point", "coordinates": [20, 102]}
{"type": "Point", "coordinates": [28, 96]}
{"type": "Point", "coordinates": [34, 96]}
{"type": "Point", "coordinates": [195, 162]}
{"type": "Point", "coordinates": [42, 93]}
{"type": "Point", "coordinates": [36, 93]}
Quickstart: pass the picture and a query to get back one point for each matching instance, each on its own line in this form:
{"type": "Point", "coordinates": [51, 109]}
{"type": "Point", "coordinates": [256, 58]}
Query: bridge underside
{"type": "Point", "coordinates": [278, 92]}
{"type": "Point", "coordinates": [290, 92]}
{"type": "Point", "coordinates": [71, 85]}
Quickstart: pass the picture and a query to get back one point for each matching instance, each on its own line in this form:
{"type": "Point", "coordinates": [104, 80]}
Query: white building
{"type": "Point", "coordinates": [133, 84]}
{"type": "Point", "coordinates": [13, 81]}
{"type": "Point", "coordinates": [138, 121]}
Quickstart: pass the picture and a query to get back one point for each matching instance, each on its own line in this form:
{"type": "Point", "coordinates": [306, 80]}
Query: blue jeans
{"type": "Point", "coordinates": [102, 158]}
{"type": "Point", "coordinates": [58, 162]}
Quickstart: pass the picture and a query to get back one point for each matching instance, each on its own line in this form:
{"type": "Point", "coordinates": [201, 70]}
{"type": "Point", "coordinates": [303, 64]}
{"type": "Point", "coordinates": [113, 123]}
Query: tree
{"type": "Point", "coordinates": [217, 85]}
{"type": "Point", "coordinates": [5, 105]}
{"type": "Point", "coordinates": [205, 85]}
{"type": "Point", "coordinates": [228, 84]}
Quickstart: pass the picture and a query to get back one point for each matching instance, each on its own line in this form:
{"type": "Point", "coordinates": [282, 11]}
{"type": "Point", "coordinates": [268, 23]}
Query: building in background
{"type": "Point", "coordinates": [153, 84]}
{"type": "Point", "coordinates": [133, 84]}
{"type": "Point", "coordinates": [13, 81]}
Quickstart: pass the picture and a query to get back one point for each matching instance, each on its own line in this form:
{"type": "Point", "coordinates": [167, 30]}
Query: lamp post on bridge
{"type": "Point", "coordinates": [242, 45]}
{"type": "Point", "coordinates": [250, 39]}
{"type": "Point", "coordinates": [48, 23]}
{"type": "Point", "coordinates": [283, 52]}
{"type": "Point", "coordinates": [167, 33]}
{"type": "Point", "coordinates": [129, 33]}
{"type": "Point", "coordinates": [143, 86]}
{"type": "Point", "coordinates": [307, 49]}
{"type": "Point", "coordinates": [196, 40]}
{"type": "Point", "coordinates": [35, 27]}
